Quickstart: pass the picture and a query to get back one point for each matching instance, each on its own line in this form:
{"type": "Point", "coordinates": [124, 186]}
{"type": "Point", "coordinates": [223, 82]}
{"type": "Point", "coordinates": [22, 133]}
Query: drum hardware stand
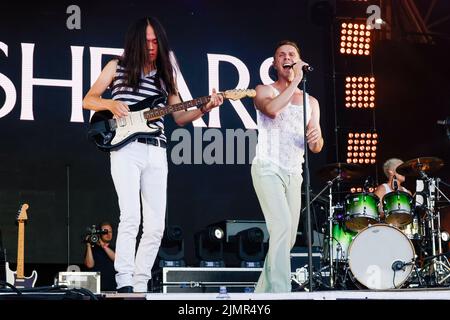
{"type": "Point", "coordinates": [330, 229]}
{"type": "Point", "coordinates": [436, 266]}
{"type": "Point", "coordinates": [330, 222]}
{"type": "Point", "coordinates": [344, 279]}
{"type": "Point", "coordinates": [441, 255]}
{"type": "Point", "coordinates": [302, 274]}
{"type": "Point", "coordinates": [331, 211]}
{"type": "Point", "coordinates": [417, 272]}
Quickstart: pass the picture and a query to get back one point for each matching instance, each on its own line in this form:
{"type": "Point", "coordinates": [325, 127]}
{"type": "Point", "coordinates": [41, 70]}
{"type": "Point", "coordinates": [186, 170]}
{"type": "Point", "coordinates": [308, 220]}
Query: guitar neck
{"type": "Point", "coordinates": [20, 250]}
{"type": "Point", "coordinates": [160, 112]}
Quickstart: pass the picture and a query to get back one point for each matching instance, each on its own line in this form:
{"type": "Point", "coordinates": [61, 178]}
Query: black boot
{"type": "Point", "coordinates": [126, 289]}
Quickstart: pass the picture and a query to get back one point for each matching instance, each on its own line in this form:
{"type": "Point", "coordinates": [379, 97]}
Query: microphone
{"type": "Point", "coordinates": [398, 265]}
{"type": "Point", "coordinates": [307, 68]}
{"type": "Point", "coordinates": [395, 183]}
{"type": "Point", "coordinates": [289, 66]}
{"type": "Point", "coordinates": [445, 122]}
{"type": "Point", "coordinates": [366, 184]}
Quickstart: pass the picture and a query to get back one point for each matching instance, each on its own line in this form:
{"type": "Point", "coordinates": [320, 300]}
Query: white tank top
{"type": "Point", "coordinates": [280, 140]}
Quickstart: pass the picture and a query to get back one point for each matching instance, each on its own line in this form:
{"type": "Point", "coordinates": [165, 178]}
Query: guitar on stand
{"type": "Point", "coordinates": [17, 278]}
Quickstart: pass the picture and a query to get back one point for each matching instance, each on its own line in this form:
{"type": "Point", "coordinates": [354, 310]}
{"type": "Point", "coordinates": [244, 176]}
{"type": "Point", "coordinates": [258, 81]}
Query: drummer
{"type": "Point", "coordinates": [394, 182]}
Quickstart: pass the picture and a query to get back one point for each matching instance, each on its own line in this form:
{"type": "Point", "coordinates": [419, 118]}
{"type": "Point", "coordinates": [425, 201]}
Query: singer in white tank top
{"type": "Point", "coordinates": [281, 140]}
{"type": "Point", "coordinates": [277, 167]}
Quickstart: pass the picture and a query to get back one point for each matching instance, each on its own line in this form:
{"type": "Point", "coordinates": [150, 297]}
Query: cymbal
{"type": "Point", "coordinates": [348, 171]}
{"type": "Point", "coordinates": [414, 166]}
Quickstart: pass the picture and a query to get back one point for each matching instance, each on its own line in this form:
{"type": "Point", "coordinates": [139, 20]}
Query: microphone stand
{"type": "Point", "coordinates": [307, 183]}
{"type": "Point", "coordinates": [328, 185]}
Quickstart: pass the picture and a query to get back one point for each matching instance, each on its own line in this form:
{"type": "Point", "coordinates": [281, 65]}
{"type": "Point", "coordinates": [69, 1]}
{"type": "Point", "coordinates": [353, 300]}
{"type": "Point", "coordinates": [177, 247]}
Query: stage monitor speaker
{"type": "Point", "coordinates": [77, 280]}
{"type": "Point", "coordinates": [233, 227]}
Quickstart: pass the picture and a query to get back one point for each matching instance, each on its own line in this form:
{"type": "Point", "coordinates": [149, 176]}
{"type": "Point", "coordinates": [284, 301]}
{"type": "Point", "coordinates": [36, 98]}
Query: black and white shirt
{"type": "Point", "coordinates": [147, 87]}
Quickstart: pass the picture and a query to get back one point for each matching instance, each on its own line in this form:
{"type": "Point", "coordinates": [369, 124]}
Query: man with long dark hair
{"type": "Point", "coordinates": [139, 169]}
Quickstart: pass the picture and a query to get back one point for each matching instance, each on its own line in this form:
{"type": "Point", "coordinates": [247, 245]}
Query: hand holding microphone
{"type": "Point", "coordinates": [305, 68]}
{"type": "Point", "coordinates": [299, 67]}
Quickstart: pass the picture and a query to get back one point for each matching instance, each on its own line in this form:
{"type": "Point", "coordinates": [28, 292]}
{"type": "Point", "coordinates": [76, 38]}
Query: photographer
{"type": "Point", "coordinates": [100, 255]}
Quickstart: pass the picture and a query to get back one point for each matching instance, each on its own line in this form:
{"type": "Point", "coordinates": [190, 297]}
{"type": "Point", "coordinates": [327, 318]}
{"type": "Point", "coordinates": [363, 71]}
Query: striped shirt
{"type": "Point", "coordinates": [147, 87]}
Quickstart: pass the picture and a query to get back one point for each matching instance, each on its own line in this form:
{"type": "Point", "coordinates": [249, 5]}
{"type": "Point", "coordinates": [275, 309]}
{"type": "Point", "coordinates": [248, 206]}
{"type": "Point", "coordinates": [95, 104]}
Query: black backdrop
{"type": "Point", "coordinates": [48, 162]}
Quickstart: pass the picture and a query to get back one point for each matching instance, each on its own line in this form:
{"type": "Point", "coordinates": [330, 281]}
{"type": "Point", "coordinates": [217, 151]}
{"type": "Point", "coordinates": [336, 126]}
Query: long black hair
{"type": "Point", "coordinates": [136, 57]}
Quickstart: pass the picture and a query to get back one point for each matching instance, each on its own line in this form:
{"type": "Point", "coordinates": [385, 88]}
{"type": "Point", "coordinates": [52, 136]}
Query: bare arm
{"type": "Point", "coordinates": [268, 104]}
{"type": "Point", "coordinates": [93, 99]}
{"type": "Point", "coordinates": [271, 106]}
{"type": "Point", "coordinates": [89, 258]}
{"type": "Point", "coordinates": [110, 253]}
{"type": "Point", "coordinates": [313, 131]}
{"type": "Point", "coordinates": [380, 192]}
{"type": "Point", "coordinates": [407, 191]}
{"type": "Point", "coordinates": [184, 117]}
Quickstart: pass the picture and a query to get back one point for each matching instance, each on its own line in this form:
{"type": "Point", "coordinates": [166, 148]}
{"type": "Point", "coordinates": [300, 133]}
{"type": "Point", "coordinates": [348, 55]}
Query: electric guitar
{"type": "Point", "coordinates": [17, 278]}
{"type": "Point", "coordinates": [109, 134]}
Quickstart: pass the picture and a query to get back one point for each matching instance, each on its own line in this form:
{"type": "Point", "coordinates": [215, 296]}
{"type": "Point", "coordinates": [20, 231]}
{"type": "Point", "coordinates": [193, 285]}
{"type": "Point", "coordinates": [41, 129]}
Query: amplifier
{"type": "Point", "coordinates": [233, 227]}
{"type": "Point", "coordinates": [299, 258]}
{"type": "Point", "coordinates": [77, 280]}
{"type": "Point", "coordinates": [193, 279]}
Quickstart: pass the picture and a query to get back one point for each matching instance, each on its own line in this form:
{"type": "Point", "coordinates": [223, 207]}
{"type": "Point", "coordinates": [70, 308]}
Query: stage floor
{"type": "Point", "coordinates": [399, 294]}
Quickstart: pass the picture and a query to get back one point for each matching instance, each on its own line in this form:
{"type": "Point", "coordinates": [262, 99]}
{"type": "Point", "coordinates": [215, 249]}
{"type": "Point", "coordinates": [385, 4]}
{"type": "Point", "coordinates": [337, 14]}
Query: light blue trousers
{"type": "Point", "coordinates": [279, 194]}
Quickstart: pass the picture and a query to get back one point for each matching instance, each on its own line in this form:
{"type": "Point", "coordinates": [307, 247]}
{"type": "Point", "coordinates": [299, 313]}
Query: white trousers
{"type": "Point", "coordinates": [279, 194]}
{"type": "Point", "coordinates": [139, 172]}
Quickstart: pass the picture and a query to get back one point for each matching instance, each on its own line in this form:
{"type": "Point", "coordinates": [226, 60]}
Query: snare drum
{"type": "Point", "coordinates": [361, 210]}
{"type": "Point", "coordinates": [397, 207]}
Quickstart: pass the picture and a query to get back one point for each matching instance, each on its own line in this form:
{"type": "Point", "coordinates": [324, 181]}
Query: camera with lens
{"type": "Point", "coordinates": [94, 233]}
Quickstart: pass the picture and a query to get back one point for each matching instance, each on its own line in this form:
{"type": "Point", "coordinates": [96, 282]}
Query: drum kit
{"type": "Point", "coordinates": [401, 248]}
